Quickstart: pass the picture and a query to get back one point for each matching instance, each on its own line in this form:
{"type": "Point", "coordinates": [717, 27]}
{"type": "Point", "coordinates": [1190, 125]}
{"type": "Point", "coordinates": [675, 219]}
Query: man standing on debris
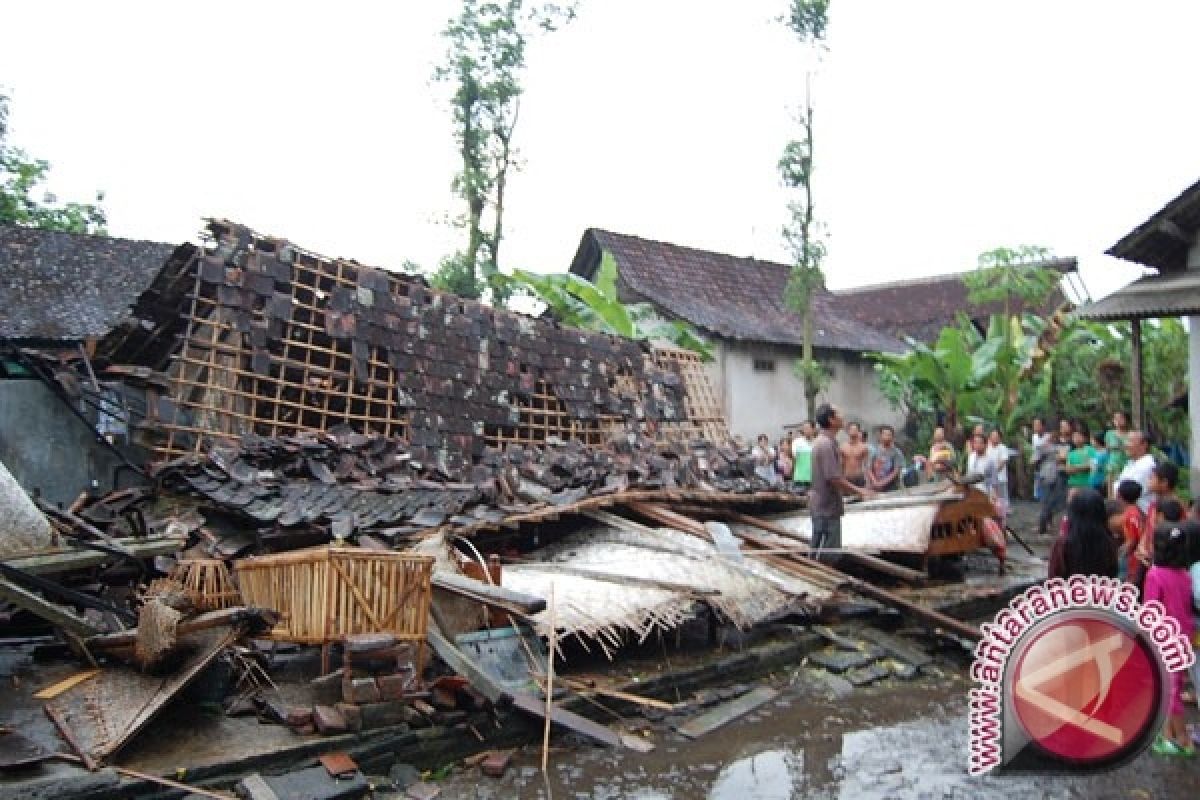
{"type": "Point", "coordinates": [828, 483]}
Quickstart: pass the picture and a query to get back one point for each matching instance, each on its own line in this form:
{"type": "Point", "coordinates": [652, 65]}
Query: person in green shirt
{"type": "Point", "coordinates": [1115, 440]}
{"type": "Point", "coordinates": [1098, 479]}
{"type": "Point", "coordinates": [1079, 462]}
{"type": "Point", "coordinates": [802, 447]}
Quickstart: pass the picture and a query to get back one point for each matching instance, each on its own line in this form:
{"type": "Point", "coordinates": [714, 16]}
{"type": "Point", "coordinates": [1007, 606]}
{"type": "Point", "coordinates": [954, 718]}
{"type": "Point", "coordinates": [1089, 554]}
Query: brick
{"type": "Point", "coordinates": [443, 698]}
{"type": "Point", "coordinates": [391, 687]}
{"type": "Point", "coordinates": [328, 720]}
{"type": "Point", "coordinates": [297, 716]}
{"type": "Point", "coordinates": [352, 714]}
{"type": "Point", "coordinates": [495, 765]}
{"type": "Point", "coordinates": [361, 690]}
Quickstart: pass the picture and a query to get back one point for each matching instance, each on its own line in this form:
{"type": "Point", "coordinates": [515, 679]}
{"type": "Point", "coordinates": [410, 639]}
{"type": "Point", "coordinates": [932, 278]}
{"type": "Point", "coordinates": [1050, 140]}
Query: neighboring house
{"type": "Point", "coordinates": [59, 294]}
{"type": "Point", "coordinates": [738, 303]}
{"type": "Point", "coordinates": [1169, 242]}
{"type": "Point", "coordinates": [921, 307]}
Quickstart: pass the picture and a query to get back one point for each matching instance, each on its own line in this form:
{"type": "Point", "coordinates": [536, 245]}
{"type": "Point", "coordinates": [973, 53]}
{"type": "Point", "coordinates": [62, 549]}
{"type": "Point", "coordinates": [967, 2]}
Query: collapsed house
{"type": "Point", "coordinates": [359, 452]}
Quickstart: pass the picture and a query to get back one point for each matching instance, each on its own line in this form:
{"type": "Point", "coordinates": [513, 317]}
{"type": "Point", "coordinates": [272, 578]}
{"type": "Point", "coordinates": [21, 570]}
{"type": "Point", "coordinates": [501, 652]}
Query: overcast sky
{"type": "Point", "coordinates": [944, 128]}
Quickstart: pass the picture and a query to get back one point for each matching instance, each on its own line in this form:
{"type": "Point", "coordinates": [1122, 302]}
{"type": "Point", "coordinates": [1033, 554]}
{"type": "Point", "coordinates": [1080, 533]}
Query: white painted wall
{"type": "Point", "coordinates": [765, 402]}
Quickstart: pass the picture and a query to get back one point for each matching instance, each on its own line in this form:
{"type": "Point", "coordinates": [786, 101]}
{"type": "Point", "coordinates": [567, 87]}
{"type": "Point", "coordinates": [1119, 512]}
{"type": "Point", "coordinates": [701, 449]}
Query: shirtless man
{"type": "Point", "coordinates": [854, 455]}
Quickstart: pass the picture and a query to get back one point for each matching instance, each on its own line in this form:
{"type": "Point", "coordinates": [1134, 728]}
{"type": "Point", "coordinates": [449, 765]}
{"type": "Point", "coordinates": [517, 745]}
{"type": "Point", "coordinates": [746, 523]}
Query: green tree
{"type": "Point", "coordinates": [808, 20]}
{"type": "Point", "coordinates": [595, 306]}
{"type": "Point", "coordinates": [484, 62]}
{"type": "Point", "coordinates": [1012, 274]}
{"type": "Point", "coordinates": [20, 177]}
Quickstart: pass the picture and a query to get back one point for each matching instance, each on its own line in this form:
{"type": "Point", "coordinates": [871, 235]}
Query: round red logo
{"type": "Point", "coordinates": [1086, 689]}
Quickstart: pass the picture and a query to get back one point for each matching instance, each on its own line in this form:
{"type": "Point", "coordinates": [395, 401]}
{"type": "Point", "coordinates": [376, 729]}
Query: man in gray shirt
{"type": "Point", "coordinates": [828, 483]}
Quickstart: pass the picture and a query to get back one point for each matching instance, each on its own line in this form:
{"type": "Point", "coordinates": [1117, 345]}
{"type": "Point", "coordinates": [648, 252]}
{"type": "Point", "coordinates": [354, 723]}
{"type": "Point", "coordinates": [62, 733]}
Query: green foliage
{"type": "Point", "coordinates": [595, 306]}
{"type": "Point", "coordinates": [1008, 274]}
{"type": "Point", "coordinates": [484, 62]}
{"type": "Point", "coordinates": [20, 177]}
{"type": "Point", "coordinates": [809, 19]}
{"type": "Point", "coordinates": [455, 275]}
{"type": "Point", "coordinates": [999, 380]}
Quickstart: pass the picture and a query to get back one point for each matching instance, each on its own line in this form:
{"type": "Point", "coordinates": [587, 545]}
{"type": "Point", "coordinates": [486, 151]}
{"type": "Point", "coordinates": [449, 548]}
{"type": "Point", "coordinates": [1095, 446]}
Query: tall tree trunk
{"type": "Point", "coordinates": [810, 385]}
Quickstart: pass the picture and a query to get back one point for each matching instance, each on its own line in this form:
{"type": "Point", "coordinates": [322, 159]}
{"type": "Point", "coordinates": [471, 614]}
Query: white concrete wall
{"type": "Point", "coordinates": [765, 402]}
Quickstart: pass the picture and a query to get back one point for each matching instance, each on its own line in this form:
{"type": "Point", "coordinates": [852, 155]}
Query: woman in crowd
{"type": "Point", "coordinates": [1086, 547]}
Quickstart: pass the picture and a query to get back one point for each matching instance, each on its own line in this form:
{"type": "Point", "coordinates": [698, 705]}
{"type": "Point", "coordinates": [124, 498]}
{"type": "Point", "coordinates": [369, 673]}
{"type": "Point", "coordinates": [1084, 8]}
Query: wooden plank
{"type": "Point", "coordinates": [64, 730]}
{"type": "Point", "coordinates": [724, 713]}
{"type": "Point", "coordinates": [55, 689]}
{"type": "Point", "coordinates": [67, 560]}
{"type": "Point", "coordinates": [612, 577]}
{"type": "Point", "coordinates": [582, 725]}
{"type": "Point", "coordinates": [489, 593]}
{"type": "Point", "coordinates": [39, 606]}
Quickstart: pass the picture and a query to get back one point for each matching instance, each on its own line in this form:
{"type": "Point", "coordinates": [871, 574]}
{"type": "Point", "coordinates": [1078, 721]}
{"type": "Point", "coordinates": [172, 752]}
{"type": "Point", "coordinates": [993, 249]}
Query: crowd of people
{"type": "Point", "coordinates": [1124, 519]}
{"type": "Point", "coordinates": [1123, 515]}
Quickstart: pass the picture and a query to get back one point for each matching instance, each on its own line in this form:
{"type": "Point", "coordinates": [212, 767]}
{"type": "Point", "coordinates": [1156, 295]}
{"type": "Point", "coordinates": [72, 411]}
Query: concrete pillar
{"type": "Point", "coordinates": [1193, 262]}
{"type": "Point", "coordinates": [1194, 402]}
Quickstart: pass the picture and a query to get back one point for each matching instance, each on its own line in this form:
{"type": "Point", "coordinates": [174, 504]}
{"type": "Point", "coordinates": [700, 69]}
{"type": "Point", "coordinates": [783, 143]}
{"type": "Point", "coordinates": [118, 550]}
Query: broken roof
{"type": "Point", "coordinates": [57, 286]}
{"type": "Point", "coordinates": [921, 307]}
{"type": "Point", "coordinates": [1164, 239]}
{"type": "Point", "coordinates": [738, 298]}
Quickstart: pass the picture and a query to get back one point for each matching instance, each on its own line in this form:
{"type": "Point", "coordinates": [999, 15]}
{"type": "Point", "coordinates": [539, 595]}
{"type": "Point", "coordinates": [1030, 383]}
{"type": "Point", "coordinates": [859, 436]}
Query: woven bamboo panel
{"type": "Point", "coordinates": [325, 594]}
{"type": "Point", "coordinates": [704, 411]}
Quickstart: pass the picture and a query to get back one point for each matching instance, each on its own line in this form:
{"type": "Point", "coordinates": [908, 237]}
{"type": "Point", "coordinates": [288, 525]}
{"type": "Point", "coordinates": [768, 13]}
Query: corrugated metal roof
{"type": "Point", "coordinates": [1164, 239]}
{"type": "Point", "coordinates": [1171, 295]}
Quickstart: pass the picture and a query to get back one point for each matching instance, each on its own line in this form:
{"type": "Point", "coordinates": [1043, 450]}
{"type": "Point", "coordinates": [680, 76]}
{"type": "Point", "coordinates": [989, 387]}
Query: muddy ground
{"type": "Point", "coordinates": [890, 741]}
{"type": "Point", "coordinates": [822, 738]}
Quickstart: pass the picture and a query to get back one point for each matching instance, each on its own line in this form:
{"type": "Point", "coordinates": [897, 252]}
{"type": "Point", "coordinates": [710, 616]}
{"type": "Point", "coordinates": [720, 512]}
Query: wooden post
{"type": "Point", "coordinates": [1139, 406]}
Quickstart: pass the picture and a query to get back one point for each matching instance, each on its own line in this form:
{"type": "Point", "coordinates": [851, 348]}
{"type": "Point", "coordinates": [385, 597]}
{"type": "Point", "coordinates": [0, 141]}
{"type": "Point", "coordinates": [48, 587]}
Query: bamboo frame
{"type": "Point", "coordinates": [207, 583]}
{"type": "Point", "coordinates": [325, 594]}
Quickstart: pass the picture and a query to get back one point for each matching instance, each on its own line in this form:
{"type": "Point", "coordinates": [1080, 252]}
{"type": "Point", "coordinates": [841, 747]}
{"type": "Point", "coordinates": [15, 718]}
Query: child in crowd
{"type": "Point", "coordinates": [1169, 582]}
{"type": "Point", "coordinates": [1163, 480]}
{"type": "Point", "coordinates": [1114, 515]}
{"type": "Point", "coordinates": [1132, 523]}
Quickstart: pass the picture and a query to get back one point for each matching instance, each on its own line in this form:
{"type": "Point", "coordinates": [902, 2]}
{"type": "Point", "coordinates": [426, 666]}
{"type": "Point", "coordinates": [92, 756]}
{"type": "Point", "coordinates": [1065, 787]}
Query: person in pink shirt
{"type": "Point", "coordinates": [1169, 583]}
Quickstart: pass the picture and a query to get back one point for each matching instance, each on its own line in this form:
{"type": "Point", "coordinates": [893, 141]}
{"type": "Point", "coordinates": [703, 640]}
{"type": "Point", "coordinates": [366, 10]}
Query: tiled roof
{"type": "Point", "coordinates": [1163, 240]}
{"type": "Point", "coordinates": [68, 286]}
{"type": "Point", "coordinates": [1154, 296]}
{"type": "Point", "coordinates": [737, 298]}
{"type": "Point", "coordinates": [920, 308]}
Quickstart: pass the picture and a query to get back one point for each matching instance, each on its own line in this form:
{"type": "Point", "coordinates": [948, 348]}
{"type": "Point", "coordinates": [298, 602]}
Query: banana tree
{"type": "Point", "coordinates": [594, 306]}
{"type": "Point", "coordinates": [950, 376]}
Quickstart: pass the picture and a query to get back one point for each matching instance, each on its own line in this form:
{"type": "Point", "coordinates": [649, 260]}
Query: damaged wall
{"type": "Point", "coordinates": [260, 336]}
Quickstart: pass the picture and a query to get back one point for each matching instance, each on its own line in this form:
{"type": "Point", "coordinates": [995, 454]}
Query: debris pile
{"type": "Point", "coordinates": [344, 483]}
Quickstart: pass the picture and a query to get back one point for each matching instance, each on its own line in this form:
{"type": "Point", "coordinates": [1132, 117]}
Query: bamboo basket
{"type": "Point", "coordinates": [325, 594]}
{"type": "Point", "coordinates": [207, 583]}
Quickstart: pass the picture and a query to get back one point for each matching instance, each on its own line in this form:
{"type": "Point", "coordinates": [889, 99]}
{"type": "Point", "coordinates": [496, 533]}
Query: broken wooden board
{"type": "Point", "coordinates": [51, 562]}
{"type": "Point", "coordinates": [34, 603]}
{"type": "Point", "coordinates": [104, 713]}
{"type": "Point", "coordinates": [489, 594]}
{"type": "Point", "coordinates": [568, 719]}
{"type": "Point", "coordinates": [724, 713]}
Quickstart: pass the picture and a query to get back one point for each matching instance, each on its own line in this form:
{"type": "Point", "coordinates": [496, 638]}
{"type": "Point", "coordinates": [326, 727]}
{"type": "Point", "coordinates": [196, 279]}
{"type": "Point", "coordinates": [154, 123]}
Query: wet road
{"type": "Point", "coordinates": [894, 740]}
